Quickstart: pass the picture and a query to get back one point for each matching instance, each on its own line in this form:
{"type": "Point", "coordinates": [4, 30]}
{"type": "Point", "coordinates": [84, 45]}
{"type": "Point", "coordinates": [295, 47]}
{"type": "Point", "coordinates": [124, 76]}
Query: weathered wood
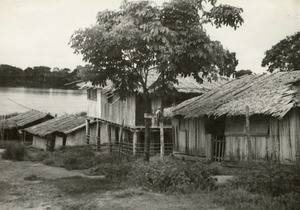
{"type": "Point", "coordinates": [134, 143]}
{"type": "Point", "coordinates": [248, 133]}
{"type": "Point", "coordinates": [162, 140]}
{"type": "Point", "coordinates": [120, 138]}
{"type": "Point", "coordinates": [87, 131]}
{"type": "Point", "coordinates": [98, 135]}
{"type": "Point", "coordinates": [209, 147]}
{"type": "Point", "coordinates": [109, 137]}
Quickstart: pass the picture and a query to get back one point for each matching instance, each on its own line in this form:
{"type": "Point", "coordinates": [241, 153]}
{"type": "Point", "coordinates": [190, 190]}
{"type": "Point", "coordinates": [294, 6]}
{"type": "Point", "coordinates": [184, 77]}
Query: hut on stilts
{"type": "Point", "coordinates": [253, 118]}
{"type": "Point", "coordinates": [122, 121]}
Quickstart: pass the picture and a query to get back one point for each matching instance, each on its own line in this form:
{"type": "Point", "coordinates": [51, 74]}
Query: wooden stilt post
{"type": "Point", "coordinates": [23, 136]}
{"type": "Point", "coordinates": [248, 134]}
{"type": "Point", "coordinates": [109, 138]}
{"type": "Point", "coordinates": [98, 136]}
{"type": "Point", "coordinates": [87, 131]}
{"type": "Point", "coordinates": [134, 143]}
{"type": "Point", "coordinates": [162, 140]}
{"type": "Point", "coordinates": [120, 139]}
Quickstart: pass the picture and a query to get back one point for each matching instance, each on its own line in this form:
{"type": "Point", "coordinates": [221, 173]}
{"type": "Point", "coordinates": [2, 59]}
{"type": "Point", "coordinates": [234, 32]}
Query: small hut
{"type": "Point", "coordinates": [14, 126]}
{"type": "Point", "coordinates": [251, 118]}
{"type": "Point", "coordinates": [59, 132]}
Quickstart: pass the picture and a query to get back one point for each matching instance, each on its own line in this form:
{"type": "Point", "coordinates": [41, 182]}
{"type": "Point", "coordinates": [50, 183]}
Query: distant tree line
{"type": "Point", "coordinates": [37, 76]}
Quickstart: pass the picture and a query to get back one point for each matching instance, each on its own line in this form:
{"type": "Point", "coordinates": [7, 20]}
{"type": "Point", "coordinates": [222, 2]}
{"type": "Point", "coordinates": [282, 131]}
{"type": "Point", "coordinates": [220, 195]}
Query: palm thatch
{"type": "Point", "coordinates": [267, 94]}
{"type": "Point", "coordinates": [183, 85]}
{"type": "Point", "coordinates": [61, 125]}
{"type": "Point", "coordinates": [25, 119]}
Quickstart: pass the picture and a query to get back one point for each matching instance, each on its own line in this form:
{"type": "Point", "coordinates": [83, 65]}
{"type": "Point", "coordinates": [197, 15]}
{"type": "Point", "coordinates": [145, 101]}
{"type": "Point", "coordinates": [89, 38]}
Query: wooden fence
{"type": "Point", "coordinates": [218, 148]}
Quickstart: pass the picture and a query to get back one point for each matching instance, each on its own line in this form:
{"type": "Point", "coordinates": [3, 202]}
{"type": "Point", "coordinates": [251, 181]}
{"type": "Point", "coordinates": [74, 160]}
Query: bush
{"type": "Point", "coordinates": [280, 180]}
{"type": "Point", "coordinates": [172, 175]}
{"type": "Point", "coordinates": [14, 151]}
{"type": "Point", "coordinates": [118, 172]}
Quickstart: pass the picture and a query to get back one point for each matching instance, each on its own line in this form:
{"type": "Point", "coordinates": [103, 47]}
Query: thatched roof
{"type": "Point", "coordinates": [25, 119]}
{"type": "Point", "coordinates": [184, 85]}
{"type": "Point", "coordinates": [267, 94]}
{"type": "Point", "coordinates": [62, 125]}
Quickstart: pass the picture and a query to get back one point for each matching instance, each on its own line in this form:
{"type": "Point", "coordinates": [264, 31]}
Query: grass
{"type": "Point", "coordinates": [79, 185]}
{"type": "Point", "coordinates": [269, 188]}
{"type": "Point", "coordinates": [14, 151]}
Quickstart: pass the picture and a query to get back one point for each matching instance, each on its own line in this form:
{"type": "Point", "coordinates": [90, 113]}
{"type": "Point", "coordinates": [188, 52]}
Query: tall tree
{"type": "Point", "coordinates": [284, 56]}
{"type": "Point", "coordinates": [125, 45]}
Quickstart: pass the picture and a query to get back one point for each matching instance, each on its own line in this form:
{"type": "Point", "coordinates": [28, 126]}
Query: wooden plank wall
{"type": "Point", "coordinates": [94, 107]}
{"type": "Point", "coordinates": [119, 109]}
{"type": "Point", "coordinates": [282, 141]}
{"type": "Point", "coordinates": [190, 137]}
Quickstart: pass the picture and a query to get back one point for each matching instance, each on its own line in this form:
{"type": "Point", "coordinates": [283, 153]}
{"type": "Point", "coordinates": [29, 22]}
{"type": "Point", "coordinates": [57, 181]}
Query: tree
{"type": "Point", "coordinates": [243, 72]}
{"type": "Point", "coordinates": [10, 75]}
{"type": "Point", "coordinates": [125, 45]}
{"type": "Point", "coordinates": [228, 63]}
{"type": "Point", "coordinates": [284, 56]}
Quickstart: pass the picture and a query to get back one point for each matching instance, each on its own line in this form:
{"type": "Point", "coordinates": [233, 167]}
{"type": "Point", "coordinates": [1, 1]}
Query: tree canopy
{"type": "Point", "coordinates": [37, 76]}
{"type": "Point", "coordinates": [124, 45]}
{"type": "Point", "coordinates": [284, 56]}
{"type": "Point", "coordinates": [243, 72]}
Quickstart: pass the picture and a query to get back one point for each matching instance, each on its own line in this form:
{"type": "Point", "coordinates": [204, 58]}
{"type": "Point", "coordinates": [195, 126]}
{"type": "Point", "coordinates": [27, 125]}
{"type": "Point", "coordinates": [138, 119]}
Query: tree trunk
{"type": "Point", "coordinates": [147, 128]}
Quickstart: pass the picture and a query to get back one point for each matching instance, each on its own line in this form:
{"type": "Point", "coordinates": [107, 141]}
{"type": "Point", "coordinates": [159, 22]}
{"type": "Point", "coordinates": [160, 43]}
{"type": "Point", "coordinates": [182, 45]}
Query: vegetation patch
{"type": "Point", "coordinates": [172, 175]}
{"type": "Point", "coordinates": [78, 185]}
{"type": "Point", "coordinates": [14, 151]}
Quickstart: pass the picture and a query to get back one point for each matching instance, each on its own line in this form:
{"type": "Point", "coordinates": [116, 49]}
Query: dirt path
{"type": "Point", "coordinates": [53, 188]}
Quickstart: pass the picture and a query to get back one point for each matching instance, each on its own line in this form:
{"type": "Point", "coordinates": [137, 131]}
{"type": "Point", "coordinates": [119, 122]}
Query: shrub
{"type": "Point", "coordinates": [172, 175]}
{"type": "Point", "coordinates": [117, 172]}
{"type": "Point", "coordinates": [280, 180]}
{"type": "Point", "coordinates": [14, 151]}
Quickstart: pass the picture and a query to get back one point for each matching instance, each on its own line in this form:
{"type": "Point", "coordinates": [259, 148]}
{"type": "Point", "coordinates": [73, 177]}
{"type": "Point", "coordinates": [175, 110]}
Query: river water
{"type": "Point", "coordinates": [55, 101]}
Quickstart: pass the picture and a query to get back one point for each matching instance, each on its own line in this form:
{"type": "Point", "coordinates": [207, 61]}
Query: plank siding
{"type": "Point", "coordinates": [94, 107]}
{"type": "Point", "coordinates": [190, 137]}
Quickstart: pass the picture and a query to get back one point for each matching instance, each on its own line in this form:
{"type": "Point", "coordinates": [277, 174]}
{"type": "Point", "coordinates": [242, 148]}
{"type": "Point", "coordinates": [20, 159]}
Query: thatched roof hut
{"type": "Point", "coordinates": [11, 127]}
{"type": "Point", "coordinates": [267, 94]}
{"type": "Point", "coordinates": [63, 125]}
{"type": "Point", "coordinates": [58, 132]}
{"type": "Point", "coordinates": [215, 125]}
{"type": "Point", "coordinates": [25, 119]}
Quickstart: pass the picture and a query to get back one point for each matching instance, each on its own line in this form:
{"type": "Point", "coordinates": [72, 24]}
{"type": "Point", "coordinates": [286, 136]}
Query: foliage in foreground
{"type": "Point", "coordinates": [172, 175]}
{"type": "Point", "coordinates": [14, 151]}
{"type": "Point", "coordinates": [275, 188]}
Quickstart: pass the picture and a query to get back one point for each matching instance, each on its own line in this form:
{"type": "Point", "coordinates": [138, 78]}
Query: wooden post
{"type": "Point", "coordinates": [248, 134]}
{"type": "Point", "coordinates": [134, 143]}
{"type": "Point", "coordinates": [23, 136]}
{"type": "Point", "coordinates": [87, 131]}
{"type": "Point", "coordinates": [120, 138]}
{"type": "Point", "coordinates": [162, 140]}
{"type": "Point", "coordinates": [109, 138]}
{"type": "Point", "coordinates": [98, 135]}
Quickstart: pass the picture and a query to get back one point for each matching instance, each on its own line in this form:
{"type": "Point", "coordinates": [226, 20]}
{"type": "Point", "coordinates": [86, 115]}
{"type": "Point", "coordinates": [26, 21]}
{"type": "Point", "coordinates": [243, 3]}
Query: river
{"type": "Point", "coordinates": [55, 101]}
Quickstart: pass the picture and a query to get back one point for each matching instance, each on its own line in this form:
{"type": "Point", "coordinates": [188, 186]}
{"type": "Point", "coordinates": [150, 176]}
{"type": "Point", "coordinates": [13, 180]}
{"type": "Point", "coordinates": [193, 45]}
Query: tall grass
{"type": "Point", "coordinates": [14, 151]}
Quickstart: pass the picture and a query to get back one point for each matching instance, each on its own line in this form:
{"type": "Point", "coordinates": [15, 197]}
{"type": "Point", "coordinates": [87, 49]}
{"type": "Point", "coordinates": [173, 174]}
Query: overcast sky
{"type": "Point", "coordinates": [37, 32]}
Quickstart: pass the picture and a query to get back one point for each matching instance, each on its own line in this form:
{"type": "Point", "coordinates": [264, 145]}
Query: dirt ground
{"type": "Point", "coordinates": [29, 185]}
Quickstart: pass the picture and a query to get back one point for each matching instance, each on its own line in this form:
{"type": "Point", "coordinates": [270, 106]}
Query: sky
{"type": "Point", "coordinates": [37, 32]}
